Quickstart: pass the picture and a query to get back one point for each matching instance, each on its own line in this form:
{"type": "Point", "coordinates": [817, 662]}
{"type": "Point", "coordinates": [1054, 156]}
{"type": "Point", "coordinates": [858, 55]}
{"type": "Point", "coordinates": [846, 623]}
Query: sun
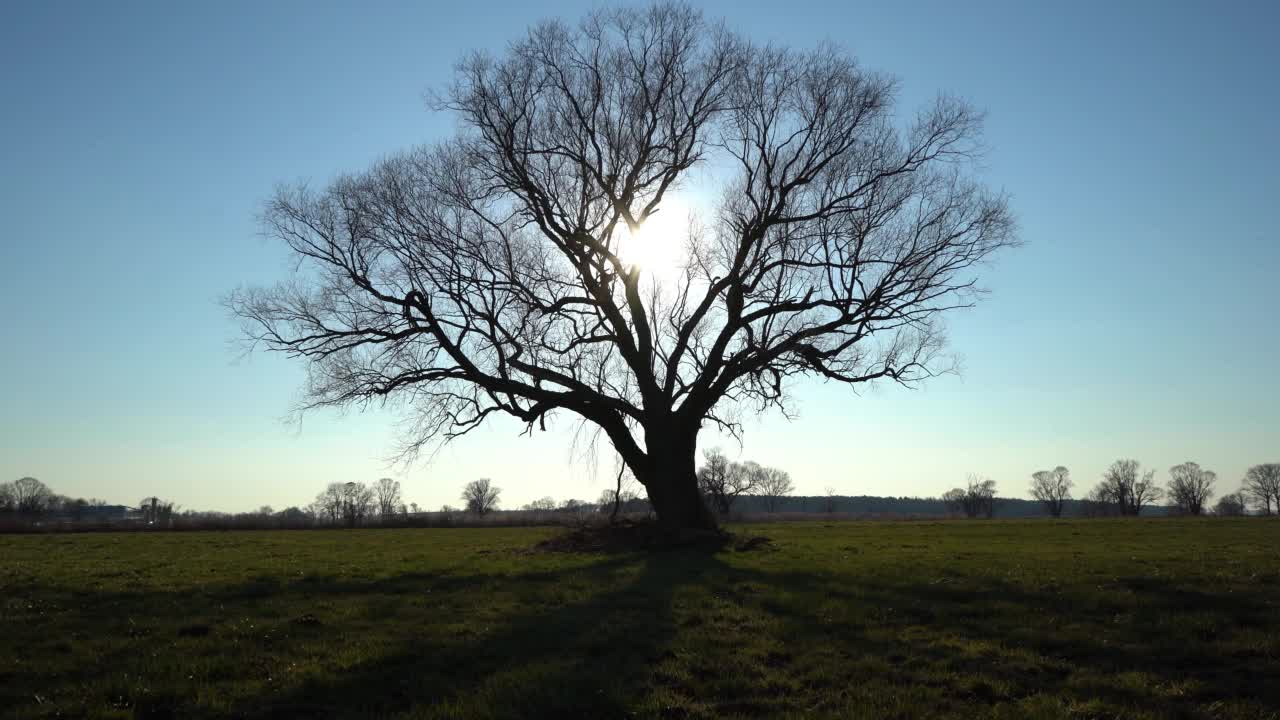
{"type": "Point", "coordinates": [657, 247]}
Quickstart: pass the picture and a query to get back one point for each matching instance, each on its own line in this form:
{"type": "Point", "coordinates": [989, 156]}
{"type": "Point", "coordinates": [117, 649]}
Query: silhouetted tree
{"type": "Point", "coordinates": [1262, 486]}
{"type": "Point", "coordinates": [1123, 487]}
{"type": "Point", "coordinates": [31, 497]}
{"type": "Point", "coordinates": [1231, 505]}
{"type": "Point", "coordinates": [722, 481]}
{"type": "Point", "coordinates": [829, 500]}
{"type": "Point", "coordinates": [773, 484]}
{"type": "Point", "coordinates": [387, 495]}
{"type": "Point", "coordinates": [1190, 487]}
{"type": "Point", "coordinates": [8, 503]}
{"type": "Point", "coordinates": [546, 504]}
{"type": "Point", "coordinates": [978, 497]}
{"type": "Point", "coordinates": [1053, 488]}
{"type": "Point", "coordinates": [156, 511]}
{"type": "Point", "coordinates": [481, 496]}
{"type": "Point", "coordinates": [357, 502]}
{"type": "Point", "coordinates": [293, 517]}
{"type": "Point", "coordinates": [490, 274]}
{"type": "Point", "coordinates": [328, 504]}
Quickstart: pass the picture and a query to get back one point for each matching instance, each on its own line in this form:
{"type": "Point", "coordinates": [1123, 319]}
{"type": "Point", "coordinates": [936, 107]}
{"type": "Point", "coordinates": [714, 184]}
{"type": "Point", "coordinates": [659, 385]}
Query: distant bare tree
{"type": "Point", "coordinates": [1190, 487]}
{"type": "Point", "coordinates": [829, 499]}
{"type": "Point", "coordinates": [1099, 503]}
{"type": "Point", "coordinates": [546, 504]}
{"type": "Point", "coordinates": [30, 496]}
{"type": "Point", "coordinates": [387, 496]}
{"type": "Point", "coordinates": [357, 502]}
{"type": "Point", "coordinates": [1231, 505]}
{"type": "Point", "coordinates": [480, 496]}
{"type": "Point", "coordinates": [773, 484]}
{"type": "Point", "coordinates": [7, 501]}
{"type": "Point", "coordinates": [978, 497]}
{"type": "Point", "coordinates": [624, 492]}
{"type": "Point", "coordinates": [954, 499]}
{"type": "Point", "coordinates": [489, 274]}
{"type": "Point", "coordinates": [156, 511]}
{"type": "Point", "coordinates": [1123, 487]}
{"type": "Point", "coordinates": [1262, 486]}
{"type": "Point", "coordinates": [1053, 488]}
{"type": "Point", "coordinates": [328, 504]}
{"type": "Point", "coordinates": [722, 481]}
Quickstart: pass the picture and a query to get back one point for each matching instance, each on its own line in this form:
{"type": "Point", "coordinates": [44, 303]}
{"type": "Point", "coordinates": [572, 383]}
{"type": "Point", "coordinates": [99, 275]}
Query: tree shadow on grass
{"type": "Point", "coordinates": [585, 641]}
{"type": "Point", "coordinates": [584, 659]}
{"type": "Point", "coordinates": [999, 642]}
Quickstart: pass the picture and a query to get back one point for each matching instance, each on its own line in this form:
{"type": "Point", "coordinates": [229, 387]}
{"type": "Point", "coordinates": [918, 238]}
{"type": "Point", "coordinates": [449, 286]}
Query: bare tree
{"type": "Point", "coordinates": [8, 503]}
{"type": "Point", "coordinates": [1231, 505]}
{"type": "Point", "coordinates": [328, 504]}
{"type": "Point", "coordinates": [1262, 486]}
{"type": "Point", "coordinates": [357, 502]}
{"type": "Point", "coordinates": [30, 496]}
{"type": "Point", "coordinates": [1190, 487]}
{"type": "Point", "coordinates": [481, 496]}
{"type": "Point", "coordinates": [387, 495]}
{"type": "Point", "coordinates": [491, 273]}
{"type": "Point", "coordinates": [954, 500]}
{"type": "Point", "coordinates": [156, 511]}
{"type": "Point", "coordinates": [1053, 488]}
{"type": "Point", "coordinates": [978, 497]}
{"type": "Point", "coordinates": [722, 481]}
{"type": "Point", "coordinates": [546, 504]}
{"type": "Point", "coordinates": [829, 499]}
{"type": "Point", "coordinates": [1123, 487]}
{"type": "Point", "coordinates": [773, 484]}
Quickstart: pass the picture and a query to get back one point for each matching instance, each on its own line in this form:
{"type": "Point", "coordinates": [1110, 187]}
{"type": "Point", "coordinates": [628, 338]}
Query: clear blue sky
{"type": "Point", "coordinates": [137, 141]}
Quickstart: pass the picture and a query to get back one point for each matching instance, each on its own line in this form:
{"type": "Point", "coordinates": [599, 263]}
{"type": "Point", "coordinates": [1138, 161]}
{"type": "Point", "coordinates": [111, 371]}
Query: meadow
{"type": "Point", "coordinates": [1158, 618]}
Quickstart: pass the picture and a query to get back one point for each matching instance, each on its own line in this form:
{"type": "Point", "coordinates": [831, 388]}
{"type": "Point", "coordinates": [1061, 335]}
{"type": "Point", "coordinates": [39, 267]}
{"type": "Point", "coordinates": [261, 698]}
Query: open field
{"type": "Point", "coordinates": [1011, 619]}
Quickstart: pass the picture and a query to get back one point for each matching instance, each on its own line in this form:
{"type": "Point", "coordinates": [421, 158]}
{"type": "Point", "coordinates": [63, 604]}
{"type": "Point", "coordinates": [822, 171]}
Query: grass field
{"type": "Point", "coordinates": [1072, 619]}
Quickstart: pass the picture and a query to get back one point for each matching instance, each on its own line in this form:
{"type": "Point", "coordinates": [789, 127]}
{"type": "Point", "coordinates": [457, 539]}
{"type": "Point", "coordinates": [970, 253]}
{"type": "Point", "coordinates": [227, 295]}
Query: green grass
{"type": "Point", "coordinates": [1073, 619]}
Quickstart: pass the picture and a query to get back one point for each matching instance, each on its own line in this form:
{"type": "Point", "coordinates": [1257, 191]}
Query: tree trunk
{"type": "Point", "coordinates": [670, 476]}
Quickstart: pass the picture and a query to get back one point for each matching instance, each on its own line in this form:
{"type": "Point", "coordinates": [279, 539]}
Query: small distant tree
{"type": "Point", "coordinates": [773, 484]}
{"type": "Point", "coordinates": [328, 504]}
{"type": "Point", "coordinates": [357, 502]}
{"type": "Point", "coordinates": [544, 505]}
{"type": "Point", "coordinates": [977, 498]}
{"type": "Point", "coordinates": [829, 499]}
{"type": "Point", "coordinates": [7, 502]}
{"type": "Point", "coordinates": [622, 494]}
{"type": "Point", "coordinates": [1127, 488]}
{"type": "Point", "coordinates": [1262, 486]}
{"type": "Point", "coordinates": [481, 496]}
{"type": "Point", "coordinates": [294, 517]}
{"type": "Point", "coordinates": [387, 495]}
{"type": "Point", "coordinates": [1231, 505]}
{"type": "Point", "coordinates": [30, 496]}
{"type": "Point", "coordinates": [721, 481]}
{"type": "Point", "coordinates": [1052, 488]}
{"type": "Point", "coordinates": [156, 511]}
{"type": "Point", "coordinates": [1190, 487]}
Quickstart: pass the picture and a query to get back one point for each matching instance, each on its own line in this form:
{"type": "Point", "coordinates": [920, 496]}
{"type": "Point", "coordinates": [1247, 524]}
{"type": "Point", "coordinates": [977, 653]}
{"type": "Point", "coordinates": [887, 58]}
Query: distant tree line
{"type": "Point", "coordinates": [732, 488]}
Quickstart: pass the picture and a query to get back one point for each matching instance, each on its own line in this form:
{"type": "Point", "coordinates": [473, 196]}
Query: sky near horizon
{"type": "Point", "coordinates": [138, 141]}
